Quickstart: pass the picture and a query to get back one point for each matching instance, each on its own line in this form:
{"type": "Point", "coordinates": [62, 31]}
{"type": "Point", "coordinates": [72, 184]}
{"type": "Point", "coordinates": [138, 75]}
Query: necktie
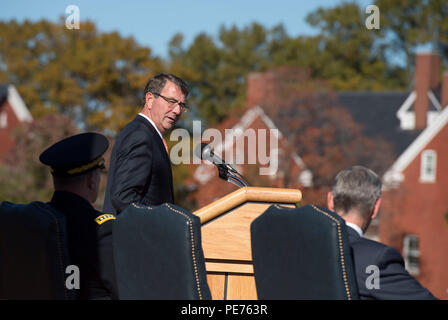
{"type": "Point", "coordinates": [166, 145]}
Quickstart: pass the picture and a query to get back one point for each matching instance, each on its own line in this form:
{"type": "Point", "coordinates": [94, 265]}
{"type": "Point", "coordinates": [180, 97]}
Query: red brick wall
{"type": "Point", "coordinates": [444, 93]}
{"type": "Point", "coordinates": [260, 86]}
{"type": "Point", "coordinates": [216, 188]}
{"type": "Point", "coordinates": [426, 77]}
{"type": "Point", "coordinates": [6, 140]}
{"type": "Point", "coordinates": [420, 208]}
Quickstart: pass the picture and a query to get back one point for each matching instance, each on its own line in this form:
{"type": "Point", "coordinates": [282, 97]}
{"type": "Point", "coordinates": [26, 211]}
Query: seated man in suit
{"type": "Point", "coordinates": [75, 164]}
{"type": "Point", "coordinates": [356, 197]}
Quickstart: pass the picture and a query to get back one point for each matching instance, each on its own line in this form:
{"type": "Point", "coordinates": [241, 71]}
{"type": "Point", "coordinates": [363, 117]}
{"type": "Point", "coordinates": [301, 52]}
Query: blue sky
{"type": "Point", "coordinates": [153, 23]}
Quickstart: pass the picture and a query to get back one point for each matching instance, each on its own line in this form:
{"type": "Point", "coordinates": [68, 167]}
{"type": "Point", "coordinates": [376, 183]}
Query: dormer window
{"type": "Point", "coordinates": [406, 113]}
{"type": "Point", "coordinates": [428, 166]}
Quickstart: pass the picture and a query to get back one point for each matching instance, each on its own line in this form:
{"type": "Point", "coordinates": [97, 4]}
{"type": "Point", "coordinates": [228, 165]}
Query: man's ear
{"type": "Point", "coordinates": [376, 208]}
{"type": "Point", "coordinates": [148, 100]}
{"type": "Point", "coordinates": [91, 183]}
{"type": "Point", "coordinates": [330, 201]}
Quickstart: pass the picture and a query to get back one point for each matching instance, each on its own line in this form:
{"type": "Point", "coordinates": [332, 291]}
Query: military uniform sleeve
{"type": "Point", "coordinates": [106, 266]}
{"type": "Point", "coordinates": [133, 170]}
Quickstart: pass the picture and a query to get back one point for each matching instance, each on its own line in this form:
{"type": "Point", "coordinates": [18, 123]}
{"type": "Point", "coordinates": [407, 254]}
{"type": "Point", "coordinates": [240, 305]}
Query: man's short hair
{"type": "Point", "coordinates": [60, 182]}
{"type": "Point", "coordinates": [157, 83]}
{"type": "Point", "coordinates": [356, 188]}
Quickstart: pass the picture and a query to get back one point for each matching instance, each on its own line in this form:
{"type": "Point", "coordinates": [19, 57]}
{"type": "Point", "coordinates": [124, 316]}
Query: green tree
{"type": "Point", "coordinates": [217, 69]}
{"type": "Point", "coordinates": [350, 56]}
{"type": "Point", "coordinates": [345, 53]}
{"type": "Point", "coordinates": [410, 23]}
{"type": "Point", "coordinates": [95, 78]}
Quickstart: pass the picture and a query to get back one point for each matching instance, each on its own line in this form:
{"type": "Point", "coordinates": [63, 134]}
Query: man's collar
{"type": "Point", "coordinates": [152, 123]}
{"type": "Point", "coordinates": [355, 227]}
{"type": "Point", "coordinates": [66, 198]}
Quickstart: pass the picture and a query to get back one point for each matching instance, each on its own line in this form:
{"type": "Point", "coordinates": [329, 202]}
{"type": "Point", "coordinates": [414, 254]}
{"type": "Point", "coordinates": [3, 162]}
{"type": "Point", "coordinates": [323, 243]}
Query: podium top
{"type": "Point", "coordinates": [245, 194]}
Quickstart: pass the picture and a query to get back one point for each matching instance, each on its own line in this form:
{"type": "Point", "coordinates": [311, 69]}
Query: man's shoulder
{"type": "Point", "coordinates": [368, 243]}
{"type": "Point", "coordinates": [374, 252]}
{"type": "Point", "coordinates": [135, 131]}
{"type": "Point", "coordinates": [138, 124]}
{"type": "Point", "coordinates": [104, 223]}
{"type": "Point", "coordinates": [399, 284]}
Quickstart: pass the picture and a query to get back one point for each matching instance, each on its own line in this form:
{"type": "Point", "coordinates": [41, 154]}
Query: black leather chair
{"type": "Point", "coordinates": [158, 254]}
{"type": "Point", "coordinates": [302, 253]}
{"type": "Point", "coordinates": [33, 252]}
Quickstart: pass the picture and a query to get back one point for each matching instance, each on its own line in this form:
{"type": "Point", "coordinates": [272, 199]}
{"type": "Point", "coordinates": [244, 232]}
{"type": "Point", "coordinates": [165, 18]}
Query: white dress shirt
{"type": "Point", "coordinates": [357, 229]}
{"type": "Point", "coordinates": [152, 123]}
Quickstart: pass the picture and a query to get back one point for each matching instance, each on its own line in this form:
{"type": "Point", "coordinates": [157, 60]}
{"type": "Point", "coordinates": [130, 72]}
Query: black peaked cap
{"type": "Point", "coordinates": [76, 155]}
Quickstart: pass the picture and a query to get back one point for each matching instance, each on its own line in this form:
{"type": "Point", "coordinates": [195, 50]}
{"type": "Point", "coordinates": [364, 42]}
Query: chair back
{"type": "Point", "coordinates": [33, 252]}
{"type": "Point", "coordinates": [302, 253]}
{"type": "Point", "coordinates": [158, 254]}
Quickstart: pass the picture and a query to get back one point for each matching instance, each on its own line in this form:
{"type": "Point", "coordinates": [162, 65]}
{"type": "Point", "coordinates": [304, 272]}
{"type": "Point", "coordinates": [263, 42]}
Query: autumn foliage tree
{"type": "Point", "coordinates": [96, 78]}
{"type": "Point", "coordinates": [22, 177]}
{"type": "Point", "coordinates": [322, 132]}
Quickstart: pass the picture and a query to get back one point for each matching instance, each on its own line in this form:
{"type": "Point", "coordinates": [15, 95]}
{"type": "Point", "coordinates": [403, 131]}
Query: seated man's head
{"type": "Point", "coordinates": [86, 185]}
{"type": "Point", "coordinates": [356, 195]}
{"type": "Point", "coordinates": [76, 163]}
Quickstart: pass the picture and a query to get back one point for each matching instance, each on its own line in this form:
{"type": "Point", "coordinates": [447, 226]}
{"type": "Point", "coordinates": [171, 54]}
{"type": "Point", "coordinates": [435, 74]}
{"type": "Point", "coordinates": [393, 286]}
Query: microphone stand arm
{"type": "Point", "coordinates": [231, 175]}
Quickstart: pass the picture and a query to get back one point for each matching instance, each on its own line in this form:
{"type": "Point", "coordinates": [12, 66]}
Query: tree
{"type": "Point", "coordinates": [350, 56]}
{"type": "Point", "coordinates": [322, 132]}
{"type": "Point", "coordinates": [217, 70]}
{"type": "Point", "coordinates": [95, 78]}
{"type": "Point", "coordinates": [345, 53]}
{"type": "Point", "coordinates": [410, 23]}
{"type": "Point", "coordinates": [22, 177]}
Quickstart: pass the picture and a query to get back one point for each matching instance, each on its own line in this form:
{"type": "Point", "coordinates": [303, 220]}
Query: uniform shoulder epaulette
{"type": "Point", "coordinates": [104, 217]}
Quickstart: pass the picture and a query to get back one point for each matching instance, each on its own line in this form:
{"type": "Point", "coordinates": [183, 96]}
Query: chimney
{"type": "Point", "coordinates": [426, 78]}
{"type": "Point", "coordinates": [444, 97]}
{"type": "Point", "coordinates": [260, 87]}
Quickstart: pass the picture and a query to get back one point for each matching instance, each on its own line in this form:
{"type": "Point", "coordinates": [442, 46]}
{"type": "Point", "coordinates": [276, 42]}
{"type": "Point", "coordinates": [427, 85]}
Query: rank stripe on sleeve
{"type": "Point", "coordinates": [103, 218]}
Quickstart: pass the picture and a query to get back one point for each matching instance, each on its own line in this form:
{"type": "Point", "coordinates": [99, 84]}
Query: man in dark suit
{"type": "Point", "coordinates": [140, 167]}
{"type": "Point", "coordinates": [356, 197]}
{"type": "Point", "coordinates": [75, 164]}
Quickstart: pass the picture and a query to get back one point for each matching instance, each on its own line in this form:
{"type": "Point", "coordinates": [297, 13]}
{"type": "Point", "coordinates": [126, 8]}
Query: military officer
{"type": "Point", "coordinates": [76, 163]}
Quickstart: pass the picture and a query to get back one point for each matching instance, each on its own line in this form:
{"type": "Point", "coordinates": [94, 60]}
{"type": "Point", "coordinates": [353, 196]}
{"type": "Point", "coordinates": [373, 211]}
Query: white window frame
{"type": "Point", "coordinates": [410, 252]}
{"type": "Point", "coordinates": [425, 176]}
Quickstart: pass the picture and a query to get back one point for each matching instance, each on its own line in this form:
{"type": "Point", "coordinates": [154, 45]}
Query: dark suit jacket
{"type": "Point", "coordinates": [140, 169]}
{"type": "Point", "coordinates": [395, 282]}
{"type": "Point", "coordinates": [89, 245]}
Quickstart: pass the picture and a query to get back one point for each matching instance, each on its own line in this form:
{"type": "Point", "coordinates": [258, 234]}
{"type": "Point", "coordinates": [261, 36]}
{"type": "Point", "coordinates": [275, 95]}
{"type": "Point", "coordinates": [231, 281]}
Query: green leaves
{"type": "Point", "coordinates": [88, 75]}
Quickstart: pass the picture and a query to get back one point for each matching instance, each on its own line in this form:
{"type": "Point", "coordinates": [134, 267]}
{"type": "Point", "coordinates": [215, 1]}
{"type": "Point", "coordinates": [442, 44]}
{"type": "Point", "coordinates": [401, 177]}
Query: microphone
{"type": "Point", "coordinates": [205, 152]}
{"type": "Point", "coordinates": [226, 172]}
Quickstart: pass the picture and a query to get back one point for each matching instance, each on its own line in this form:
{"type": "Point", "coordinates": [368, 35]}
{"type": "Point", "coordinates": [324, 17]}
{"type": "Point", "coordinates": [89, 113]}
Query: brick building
{"type": "Point", "coordinates": [414, 215]}
{"type": "Point", "coordinates": [13, 112]}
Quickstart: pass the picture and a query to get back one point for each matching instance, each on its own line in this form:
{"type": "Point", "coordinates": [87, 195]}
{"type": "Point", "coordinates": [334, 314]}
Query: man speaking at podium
{"type": "Point", "coordinates": [140, 167]}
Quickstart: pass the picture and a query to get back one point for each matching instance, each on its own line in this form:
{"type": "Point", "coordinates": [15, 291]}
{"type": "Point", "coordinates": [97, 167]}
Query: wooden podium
{"type": "Point", "coordinates": [226, 238]}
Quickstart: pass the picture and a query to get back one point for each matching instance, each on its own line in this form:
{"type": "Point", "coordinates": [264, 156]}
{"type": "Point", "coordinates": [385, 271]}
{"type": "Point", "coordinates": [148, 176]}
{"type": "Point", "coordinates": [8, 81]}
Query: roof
{"type": "Point", "coordinates": [394, 174]}
{"type": "Point", "coordinates": [377, 113]}
{"type": "Point", "coordinates": [3, 93]}
{"type": "Point", "coordinates": [238, 127]}
{"type": "Point", "coordinates": [10, 93]}
{"type": "Point", "coordinates": [433, 105]}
